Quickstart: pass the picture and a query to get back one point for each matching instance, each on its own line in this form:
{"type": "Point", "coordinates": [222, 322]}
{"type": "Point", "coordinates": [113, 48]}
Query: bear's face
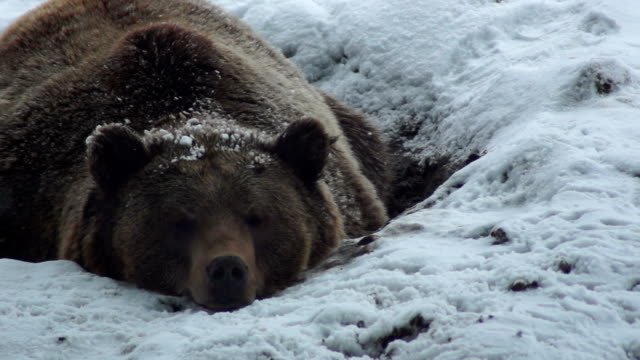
{"type": "Point", "coordinates": [225, 223]}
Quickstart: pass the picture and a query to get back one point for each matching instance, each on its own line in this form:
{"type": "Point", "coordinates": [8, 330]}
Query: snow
{"type": "Point", "coordinates": [11, 9]}
{"type": "Point", "coordinates": [186, 141]}
{"type": "Point", "coordinates": [546, 90]}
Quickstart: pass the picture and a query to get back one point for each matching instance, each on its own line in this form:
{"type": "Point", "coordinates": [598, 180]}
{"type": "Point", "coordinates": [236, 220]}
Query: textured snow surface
{"type": "Point", "coordinates": [530, 252]}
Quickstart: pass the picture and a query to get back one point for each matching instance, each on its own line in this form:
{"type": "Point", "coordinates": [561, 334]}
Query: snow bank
{"type": "Point", "coordinates": [530, 252]}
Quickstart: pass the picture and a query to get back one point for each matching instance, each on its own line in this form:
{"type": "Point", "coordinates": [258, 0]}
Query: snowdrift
{"type": "Point", "coordinates": [530, 249]}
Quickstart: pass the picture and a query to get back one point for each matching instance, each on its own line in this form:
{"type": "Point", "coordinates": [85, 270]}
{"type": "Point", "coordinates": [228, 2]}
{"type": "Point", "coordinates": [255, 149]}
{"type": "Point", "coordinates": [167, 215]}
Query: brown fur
{"type": "Point", "coordinates": [71, 65]}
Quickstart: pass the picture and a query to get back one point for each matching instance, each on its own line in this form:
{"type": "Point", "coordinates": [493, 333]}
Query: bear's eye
{"type": "Point", "coordinates": [184, 227]}
{"type": "Point", "coordinates": [253, 220]}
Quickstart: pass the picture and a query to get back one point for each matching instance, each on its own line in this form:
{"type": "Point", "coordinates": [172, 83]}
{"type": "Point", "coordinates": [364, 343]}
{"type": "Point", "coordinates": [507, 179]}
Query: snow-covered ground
{"type": "Point", "coordinates": [530, 252]}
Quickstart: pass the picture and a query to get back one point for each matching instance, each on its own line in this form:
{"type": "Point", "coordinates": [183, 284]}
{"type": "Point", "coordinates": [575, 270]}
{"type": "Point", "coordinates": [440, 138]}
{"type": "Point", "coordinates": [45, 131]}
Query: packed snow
{"type": "Point", "coordinates": [530, 252]}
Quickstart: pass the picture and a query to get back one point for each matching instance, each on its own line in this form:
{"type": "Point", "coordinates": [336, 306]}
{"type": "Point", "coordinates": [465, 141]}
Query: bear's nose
{"type": "Point", "coordinates": [228, 279]}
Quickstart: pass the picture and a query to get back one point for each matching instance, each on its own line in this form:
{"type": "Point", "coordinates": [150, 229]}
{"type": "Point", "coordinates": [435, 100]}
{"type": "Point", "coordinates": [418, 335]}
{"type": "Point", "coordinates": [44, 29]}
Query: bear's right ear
{"type": "Point", "coordinates": [304, 145]}
{"type": "Point", "coordinates": [114, 153]}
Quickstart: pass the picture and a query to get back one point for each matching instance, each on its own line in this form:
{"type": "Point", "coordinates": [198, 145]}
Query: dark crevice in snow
{"type": "Point", "coordinates": [367, 240]}
{"type": "Point", "coordinates": [523, 285]}
{"type": "Point", "coordinates": [406, 333]}
{"type": "Point", "coordinates": [416, 179]}
{"type": "Point", "coordinates": [500, 237]}
{"type": "Point", "coordinates": [376, 343]}
{"type": "Point", "coordinates": [289, 50]}
{"type": "Point", "coordinates": [377, 347]}
{"type": "Point", "coordinates": [418, 169]}
{"type": "Point", "coordinates": [565, 266]}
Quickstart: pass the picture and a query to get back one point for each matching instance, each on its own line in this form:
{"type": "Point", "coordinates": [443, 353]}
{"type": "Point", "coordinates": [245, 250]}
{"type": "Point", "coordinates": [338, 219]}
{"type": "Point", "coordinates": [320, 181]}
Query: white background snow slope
{"type": "Point", "coordinates": [514, 80]}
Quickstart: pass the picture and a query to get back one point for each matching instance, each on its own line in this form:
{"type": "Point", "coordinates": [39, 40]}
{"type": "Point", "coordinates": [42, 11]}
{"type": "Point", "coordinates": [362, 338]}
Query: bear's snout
{"type": "Point", "coordinates": [223, 273]}
{"type": "Point", "coordinates": [228, 280]}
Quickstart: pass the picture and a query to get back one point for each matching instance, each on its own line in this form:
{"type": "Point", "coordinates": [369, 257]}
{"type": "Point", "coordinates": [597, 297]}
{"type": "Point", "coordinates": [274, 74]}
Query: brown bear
{"type": "Point", "coordinates": [164, 143]}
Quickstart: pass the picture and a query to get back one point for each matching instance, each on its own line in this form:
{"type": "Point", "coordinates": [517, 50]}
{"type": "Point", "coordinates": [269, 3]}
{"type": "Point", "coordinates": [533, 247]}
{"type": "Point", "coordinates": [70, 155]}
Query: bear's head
{"type": "Point", "coordinates": [214, 212]}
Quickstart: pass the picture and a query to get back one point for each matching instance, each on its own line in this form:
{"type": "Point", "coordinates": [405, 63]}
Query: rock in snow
{"type": "Point", "coordinates": [532, 251]}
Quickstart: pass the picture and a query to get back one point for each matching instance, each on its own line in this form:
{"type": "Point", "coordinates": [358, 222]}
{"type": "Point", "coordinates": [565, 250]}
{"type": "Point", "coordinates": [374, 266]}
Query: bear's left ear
{"type": "Point", "coordinates": [304, 146]}
{"type": "Point", "coordinates": [114, 153]}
